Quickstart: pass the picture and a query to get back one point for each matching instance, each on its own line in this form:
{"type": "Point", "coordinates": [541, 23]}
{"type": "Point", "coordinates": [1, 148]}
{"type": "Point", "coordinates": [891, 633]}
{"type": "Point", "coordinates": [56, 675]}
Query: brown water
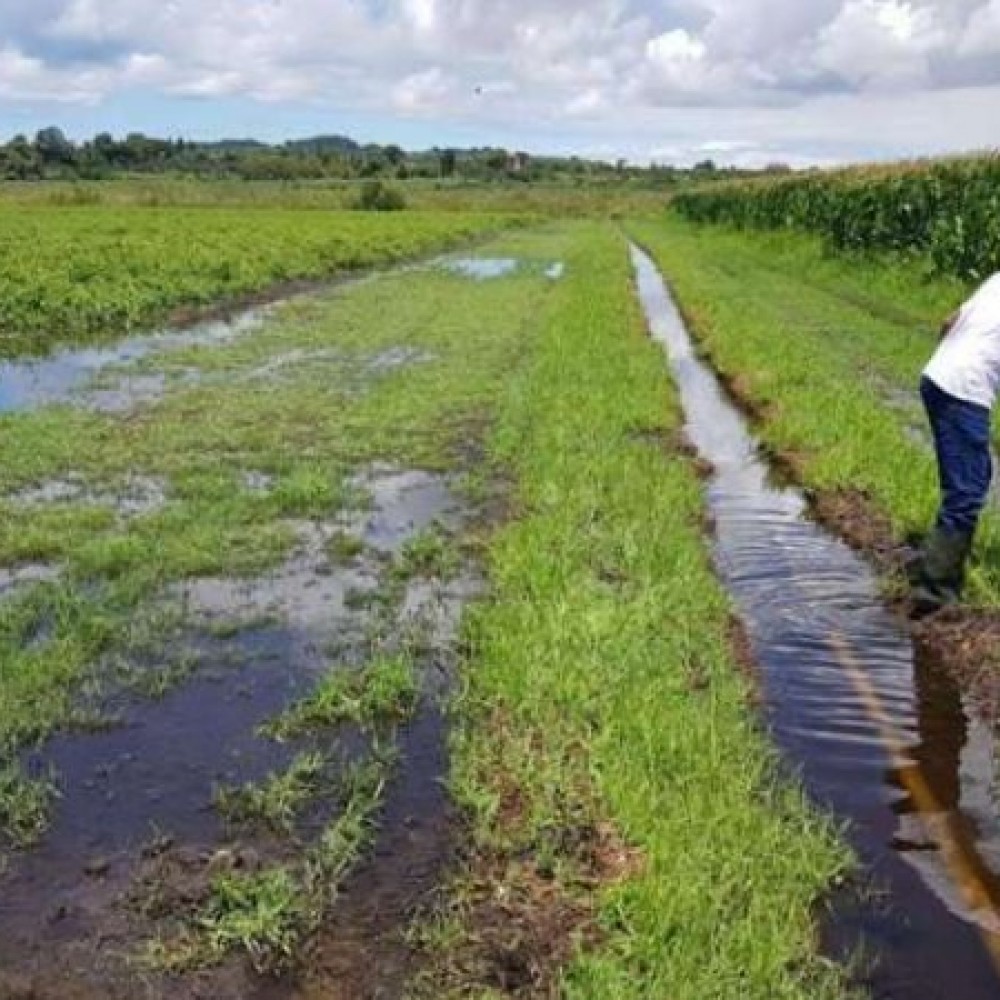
{"type": "Point", "coordinates": [880, 736]}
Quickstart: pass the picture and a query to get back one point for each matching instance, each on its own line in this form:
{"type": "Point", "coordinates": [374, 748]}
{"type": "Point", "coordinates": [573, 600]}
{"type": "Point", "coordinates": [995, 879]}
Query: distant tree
{"type": "Point", "coordinates": [53, 146]}
{"type": "Point", "coordinates": [496, 160]}
{"type": "Point", "coordinates": [448, 161]}
{"type": "Point", "coordinates": [393, 155]}
{"type": "Point", "coordinates": [19, 161]}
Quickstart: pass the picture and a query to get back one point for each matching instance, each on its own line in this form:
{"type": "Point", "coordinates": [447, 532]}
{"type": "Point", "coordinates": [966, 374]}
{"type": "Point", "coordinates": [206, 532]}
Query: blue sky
{"type": "Point", "coordinates": [741, 81]}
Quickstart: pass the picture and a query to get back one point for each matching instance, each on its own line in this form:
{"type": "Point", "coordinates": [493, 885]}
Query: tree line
{"type": "Point", "coordinates": [50, 155]}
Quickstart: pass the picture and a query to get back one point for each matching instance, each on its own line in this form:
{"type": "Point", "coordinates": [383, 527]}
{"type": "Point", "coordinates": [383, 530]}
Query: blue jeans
{"type": "Point", "coordinates": [965, 465]}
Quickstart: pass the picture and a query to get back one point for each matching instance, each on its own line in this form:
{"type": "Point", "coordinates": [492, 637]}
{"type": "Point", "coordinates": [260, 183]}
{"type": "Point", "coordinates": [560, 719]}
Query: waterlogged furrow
{"type": "Point", "coordinates": [806, 356]}
{"type": "Point", "coordinates": [853, 708]}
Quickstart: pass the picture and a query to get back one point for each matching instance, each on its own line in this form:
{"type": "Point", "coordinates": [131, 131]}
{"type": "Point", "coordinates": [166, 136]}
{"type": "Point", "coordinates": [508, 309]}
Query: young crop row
{"type": "Point", "coordinates": [947, 209]}
{"type": "Point", "coordinates": [90, 272]}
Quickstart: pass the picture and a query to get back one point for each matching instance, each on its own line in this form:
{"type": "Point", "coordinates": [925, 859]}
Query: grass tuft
{"type": "Point", "coordinates": [277, 801]}
{"type": "Point", "coordinates": [384, 691]}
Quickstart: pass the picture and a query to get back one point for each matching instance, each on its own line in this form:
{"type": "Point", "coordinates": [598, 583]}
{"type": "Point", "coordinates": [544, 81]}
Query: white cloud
{"type": "Point", "coordinates": [873, 42]}
{"type": "Point", "coordinates": [423, 92]}
{"type": "Point", "coordinates": [504, 63]}
{"type": "Point", "coordinates": [24, 78]}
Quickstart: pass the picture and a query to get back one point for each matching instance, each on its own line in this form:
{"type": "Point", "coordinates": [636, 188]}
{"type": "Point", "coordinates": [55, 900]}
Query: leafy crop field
{"type": "Point", "coordinates": [948, 210]}
{"type": "Point", "coordinates": [84, 273]}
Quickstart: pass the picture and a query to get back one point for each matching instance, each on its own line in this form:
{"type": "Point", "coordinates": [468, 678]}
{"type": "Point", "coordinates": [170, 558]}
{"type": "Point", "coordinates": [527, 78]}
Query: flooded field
{"type": "Point", "coordinates": [367, 646]}
{"type": "Point", "coordinates": [235, 785]}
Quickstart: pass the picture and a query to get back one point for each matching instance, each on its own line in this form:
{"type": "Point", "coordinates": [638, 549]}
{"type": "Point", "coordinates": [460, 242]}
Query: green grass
{"type": "Point", "coordinates": [24, 805]}
{"type": "Point", "coordinates": [556, 199]}
{"type": "Point", "coordinates": [267, 914]}
{"type": "Point", "coordinates": [430, 554]}
{"type": "Point", "coordinates": [279, 799]}
{"type": "Point", "coordinates": [600, 689]}
{"type": "Point", "coordinates": [831, 348]}
{"type": "Point", "coordinates": [385, 690]}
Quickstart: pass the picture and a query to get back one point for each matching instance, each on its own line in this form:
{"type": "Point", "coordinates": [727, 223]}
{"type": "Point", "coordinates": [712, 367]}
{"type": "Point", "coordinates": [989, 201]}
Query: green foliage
{"type": "Point", "coordinates": [277, 801]}
{"type": "Point", "coordinates": [98, 271]}
{"type": "Point", "coordinates": [385, 690]}
{"type": "Point", "coordinates": [947, 209]}
{"type": "Point", "coordinates": [378, 197]}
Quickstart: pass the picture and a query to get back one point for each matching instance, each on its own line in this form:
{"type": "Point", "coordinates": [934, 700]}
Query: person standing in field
{"type": "Point", "coordinates": [959, 388]}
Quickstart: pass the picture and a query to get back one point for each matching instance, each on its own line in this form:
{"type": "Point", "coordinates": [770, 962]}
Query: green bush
{"type": "Point", "coordinates": [378, 197]}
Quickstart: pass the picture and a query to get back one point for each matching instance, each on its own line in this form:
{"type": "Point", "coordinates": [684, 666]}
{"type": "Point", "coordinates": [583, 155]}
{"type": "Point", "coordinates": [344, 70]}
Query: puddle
{"type": "Point", "coordinates": [13, 578]}
{"type": "Point", "coordinates": [36, 382]}
{"type": "Point", "coordinates": [258, 482]}
{"type": "Point", "coordinates": [482, 268]}
{"type": "Point", "coordinates": [152, 777]}
{"type": "Point", "coordinates": [314, 602]}
{"type": "Point", "coordinates": [403, 504]}
{"type": "Point", "coordinates": [486, 268]}
{"type": "Point", "coordinates": [397, 357]}
{"type": "Point", "coordinates": [136, 496]}
{"type": "Point", "coordinates": [881, 736]}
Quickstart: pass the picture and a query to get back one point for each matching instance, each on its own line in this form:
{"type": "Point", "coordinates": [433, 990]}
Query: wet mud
{"type": "Point", "coordinates": [135, 840]}
{"type": "Point", "coordinates": [882, 736]}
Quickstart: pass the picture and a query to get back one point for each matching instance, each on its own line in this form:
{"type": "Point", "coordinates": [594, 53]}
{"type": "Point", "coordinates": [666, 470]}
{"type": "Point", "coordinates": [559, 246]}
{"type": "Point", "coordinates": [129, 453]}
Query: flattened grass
{"type": "Point", "coordinates": [601, 688]}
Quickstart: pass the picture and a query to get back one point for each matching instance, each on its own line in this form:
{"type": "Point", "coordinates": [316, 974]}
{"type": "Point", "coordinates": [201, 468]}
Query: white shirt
{"type": "Point", "coordinates": [967, 363]}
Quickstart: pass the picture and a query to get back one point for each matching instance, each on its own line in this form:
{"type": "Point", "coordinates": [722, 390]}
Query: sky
{"type": "Point", "coordinates": [742, 82]}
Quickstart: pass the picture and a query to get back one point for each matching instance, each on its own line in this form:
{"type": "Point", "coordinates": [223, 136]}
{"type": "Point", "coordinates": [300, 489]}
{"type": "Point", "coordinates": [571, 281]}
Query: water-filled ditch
{"type": "Point", "coordinates": [881, 736]}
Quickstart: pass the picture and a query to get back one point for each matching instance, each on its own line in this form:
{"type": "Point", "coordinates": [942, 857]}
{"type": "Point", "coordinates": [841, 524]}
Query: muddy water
{"type": "Point", "coordinates": [881, 737]}
{"type": "Point", "coordinates": [67, 927]}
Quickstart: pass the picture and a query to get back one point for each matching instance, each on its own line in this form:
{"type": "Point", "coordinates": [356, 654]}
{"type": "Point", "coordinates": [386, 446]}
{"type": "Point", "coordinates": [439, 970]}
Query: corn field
{"type": "Point", "coordinates": [947, 209]}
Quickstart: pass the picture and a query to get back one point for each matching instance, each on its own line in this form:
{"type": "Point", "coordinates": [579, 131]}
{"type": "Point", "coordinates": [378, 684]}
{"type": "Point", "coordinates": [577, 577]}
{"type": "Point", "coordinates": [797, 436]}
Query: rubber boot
{"type": "Point", "coordinates": [938, 574]}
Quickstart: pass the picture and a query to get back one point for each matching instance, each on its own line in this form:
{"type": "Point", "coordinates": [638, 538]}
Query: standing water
{"type": "Point", "coordinates": [881, 737]}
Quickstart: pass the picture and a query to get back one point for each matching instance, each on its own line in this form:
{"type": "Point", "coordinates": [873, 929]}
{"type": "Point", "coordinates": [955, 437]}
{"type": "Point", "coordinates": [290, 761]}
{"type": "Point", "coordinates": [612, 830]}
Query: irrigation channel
{"type": "Point", "coordinates": [880, 735]}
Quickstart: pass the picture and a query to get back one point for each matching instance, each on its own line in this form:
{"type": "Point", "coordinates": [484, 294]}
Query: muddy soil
{"type": "Point", "coordinates": [135, 842]}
